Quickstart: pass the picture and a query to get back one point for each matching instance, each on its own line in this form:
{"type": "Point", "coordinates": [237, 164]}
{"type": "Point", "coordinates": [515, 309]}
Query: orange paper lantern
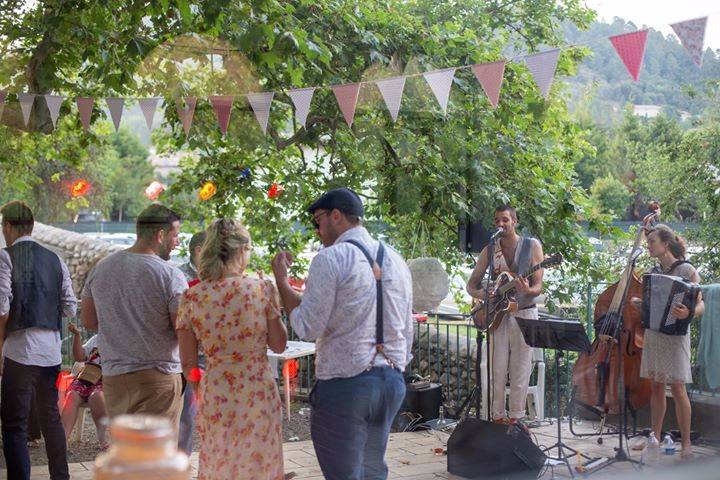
{"type": "Point", "coordinates": [275, 190]}
{"type": "Point", "coordinates": [207, 191]}
{"type": "Point", "coordinates": [79, 188]}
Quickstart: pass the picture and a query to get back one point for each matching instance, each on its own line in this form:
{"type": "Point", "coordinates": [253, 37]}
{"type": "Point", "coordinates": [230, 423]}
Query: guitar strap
{"type": "Point", "coordinates": [524, 264]}
{"type": "Point", "coordinates": [525, 257]}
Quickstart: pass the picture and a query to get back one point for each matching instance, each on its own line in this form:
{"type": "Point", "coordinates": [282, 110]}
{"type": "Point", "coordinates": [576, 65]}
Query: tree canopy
{"type": "Point", "coordinates": [421, 176]}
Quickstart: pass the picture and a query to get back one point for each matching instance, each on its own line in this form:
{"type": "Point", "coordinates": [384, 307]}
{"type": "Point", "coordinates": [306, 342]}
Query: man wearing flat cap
{"type": "Point", "coordinates": [357, 307]}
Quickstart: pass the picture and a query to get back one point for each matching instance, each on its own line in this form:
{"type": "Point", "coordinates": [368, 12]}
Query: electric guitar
{"type": "Point", "coordinates": [504, 301]}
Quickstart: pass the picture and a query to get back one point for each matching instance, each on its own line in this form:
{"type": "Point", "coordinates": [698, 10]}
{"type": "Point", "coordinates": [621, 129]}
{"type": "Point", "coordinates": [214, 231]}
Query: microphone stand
{"type": "Point", "coordinates": [479, 336]}
{"type": "Point", "coordinates": [475, 395]}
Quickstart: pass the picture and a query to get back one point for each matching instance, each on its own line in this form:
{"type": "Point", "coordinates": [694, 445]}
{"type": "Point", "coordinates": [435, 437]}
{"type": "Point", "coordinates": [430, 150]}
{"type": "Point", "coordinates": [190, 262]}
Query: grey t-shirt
{"type": "Point", "coordinates": [134, 295]}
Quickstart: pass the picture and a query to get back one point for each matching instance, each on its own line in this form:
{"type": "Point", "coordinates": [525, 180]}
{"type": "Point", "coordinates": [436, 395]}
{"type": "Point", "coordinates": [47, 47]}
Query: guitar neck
{"type": "Point", "coordinates": [510, 285]}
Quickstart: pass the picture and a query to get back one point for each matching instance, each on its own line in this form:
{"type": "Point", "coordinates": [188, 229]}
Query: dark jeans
{"type": "Point", "coordinates": [34, 431]}
{"type": "Point", "coordinates": [189, 411]}
{"type": "Point", "coordinates": [350, 423]}
{"type": "Point", "coordinates": [187, 420]}
{"type": "Point", "coordinates": [19, 384]}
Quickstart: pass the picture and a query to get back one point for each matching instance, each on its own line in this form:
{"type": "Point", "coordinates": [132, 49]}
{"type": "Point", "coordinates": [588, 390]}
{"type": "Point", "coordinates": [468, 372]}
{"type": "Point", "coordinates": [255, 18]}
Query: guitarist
{"type": "Point", "coordinates": [510, 354]}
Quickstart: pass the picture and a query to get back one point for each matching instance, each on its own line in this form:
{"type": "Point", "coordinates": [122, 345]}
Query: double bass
{"type": "Point", "coordinates": [596, 374]}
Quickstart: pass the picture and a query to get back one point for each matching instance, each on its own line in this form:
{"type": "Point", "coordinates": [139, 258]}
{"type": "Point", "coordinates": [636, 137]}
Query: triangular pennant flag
{"type": "Point", "coordinates": [3, 96]}
{"type": "Point", "coordinates": [148, 107]}
{"type": "Point", "coordinates": [346, 96]}
{"type": "Point", "coordinates": [185, 113]}
{"type": "Point", "coordinates": [542, 67]}
{"type": "Point", "coordinates": [440, 82]}
{"type": "Point", "coordinates": [301, 98]}
{"type": "Point", "coordinates": [116, 106]}
{"type": "Point", "coordinates": [692, 35]}
{"type": "Point", "coordinates": [260, 103]}
{"type": "Point", "coordinates": [26, 103]}
{"type": "Point", "coordinates": [631, 49]}
{"type": "Point", "coordinates": [85, 105]}
{"type": "Point", "coordinates": [490, 76]}
{"type": "Point", "coordinates": [54, 103]}
{"type": "Point", "coordinates": [222, 106]}
{"type": "Point", "coordinates": [392, 91]}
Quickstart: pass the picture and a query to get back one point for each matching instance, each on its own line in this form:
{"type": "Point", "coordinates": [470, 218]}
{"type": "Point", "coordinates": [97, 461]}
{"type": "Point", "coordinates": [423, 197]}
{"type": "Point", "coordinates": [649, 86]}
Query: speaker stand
{"type": "Point", "coordinates": [561, 447]}
{"type": "Point", "coordinates": [474, 397]}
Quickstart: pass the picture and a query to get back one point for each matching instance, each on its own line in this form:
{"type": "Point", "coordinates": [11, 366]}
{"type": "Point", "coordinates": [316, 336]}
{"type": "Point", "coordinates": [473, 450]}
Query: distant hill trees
{"type": "Point", "coordinates": [668, 76]}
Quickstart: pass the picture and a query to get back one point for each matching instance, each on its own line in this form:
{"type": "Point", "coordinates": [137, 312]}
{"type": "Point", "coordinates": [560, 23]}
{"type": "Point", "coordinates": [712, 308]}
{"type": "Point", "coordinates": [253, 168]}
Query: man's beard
{"type": "Point", "coordinates": [164, 253]}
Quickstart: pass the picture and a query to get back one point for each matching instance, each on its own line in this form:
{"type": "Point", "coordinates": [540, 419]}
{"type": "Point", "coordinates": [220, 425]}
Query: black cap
{"type": "Point", "coordinates": [342, 199]}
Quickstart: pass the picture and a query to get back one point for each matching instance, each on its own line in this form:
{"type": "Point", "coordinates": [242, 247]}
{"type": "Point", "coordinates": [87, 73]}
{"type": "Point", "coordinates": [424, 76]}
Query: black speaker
{"type": "Point", "coordinates": [478, 449]}
{"type": "Point", "coordinates": [472, 237]}
{"type": "Point", "coordinates": [421, 398]}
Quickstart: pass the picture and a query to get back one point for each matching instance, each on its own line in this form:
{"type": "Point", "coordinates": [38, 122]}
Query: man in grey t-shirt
{"type": "Point", "coordinates": [131, 298]}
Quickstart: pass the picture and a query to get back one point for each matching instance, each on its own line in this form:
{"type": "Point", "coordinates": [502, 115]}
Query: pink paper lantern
{"type": "Point", "coordinates": [154, 190]}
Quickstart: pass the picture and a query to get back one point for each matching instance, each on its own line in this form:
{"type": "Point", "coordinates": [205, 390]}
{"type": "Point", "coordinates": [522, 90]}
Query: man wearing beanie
{"type": "Point", "coordinates": [357, 306]}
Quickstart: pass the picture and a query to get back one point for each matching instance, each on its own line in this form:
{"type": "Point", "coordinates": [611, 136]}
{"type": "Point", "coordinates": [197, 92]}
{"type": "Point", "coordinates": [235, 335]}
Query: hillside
{"type": "Point", "coordinates": [668, 77]}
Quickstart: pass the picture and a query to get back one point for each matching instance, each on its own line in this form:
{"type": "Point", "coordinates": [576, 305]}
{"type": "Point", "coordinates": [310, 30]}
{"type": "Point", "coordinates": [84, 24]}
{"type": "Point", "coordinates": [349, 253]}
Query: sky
{"type": "Point", "coordinates": [659, 14]}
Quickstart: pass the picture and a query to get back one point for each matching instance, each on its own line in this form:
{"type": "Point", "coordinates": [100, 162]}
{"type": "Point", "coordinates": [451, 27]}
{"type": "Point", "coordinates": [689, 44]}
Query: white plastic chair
{"type": "Point", "coordinates": [536, 393]}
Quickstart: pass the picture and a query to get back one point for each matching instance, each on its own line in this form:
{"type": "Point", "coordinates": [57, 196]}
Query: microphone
{"type": "Point", "coordinates": [499, 232]}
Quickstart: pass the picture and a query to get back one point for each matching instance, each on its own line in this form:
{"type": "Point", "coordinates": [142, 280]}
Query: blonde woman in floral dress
{"type": "Point", "coordinates": [234, 318]}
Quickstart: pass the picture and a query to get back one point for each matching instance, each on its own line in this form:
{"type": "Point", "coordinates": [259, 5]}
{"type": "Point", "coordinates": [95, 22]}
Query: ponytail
{"type": "Point", "coordinates": [226, 239]}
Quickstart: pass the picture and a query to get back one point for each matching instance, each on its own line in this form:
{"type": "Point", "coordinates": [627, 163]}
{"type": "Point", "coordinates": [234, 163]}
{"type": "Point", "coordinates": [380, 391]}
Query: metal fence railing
{"type": "Point", "coordinates": [443, 353]}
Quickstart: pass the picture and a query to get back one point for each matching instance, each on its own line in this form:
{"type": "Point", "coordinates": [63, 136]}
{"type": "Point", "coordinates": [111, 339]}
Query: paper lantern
{"type": "Point", "coordinates": [196, 374]}
{"type": "Point", "coordinates": [207, 191]}
{"type": "Point", "coordinates": [79, 188]}
{"type": "Point", "coordinates": [275, 190]}
{"type": "Point", "coordinates": [431, 283]}
{"type": "Point", "coordinates": [154, 190]}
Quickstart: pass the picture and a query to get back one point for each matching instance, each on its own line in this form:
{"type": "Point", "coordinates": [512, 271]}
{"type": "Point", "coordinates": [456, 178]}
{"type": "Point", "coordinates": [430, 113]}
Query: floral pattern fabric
{"type": "Point", "coordinates": [239, 413]}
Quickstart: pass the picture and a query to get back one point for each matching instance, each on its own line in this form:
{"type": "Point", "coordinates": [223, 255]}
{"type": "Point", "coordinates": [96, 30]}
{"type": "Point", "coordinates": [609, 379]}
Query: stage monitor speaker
{"type": "Point", "coordinates": [422, 398]}
{"type": "Point", "coordinates": [473, 237]}
{"type": "Point", "coordinates": [478, 449]}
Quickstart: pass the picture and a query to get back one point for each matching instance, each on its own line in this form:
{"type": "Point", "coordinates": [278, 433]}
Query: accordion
{"type": "Point", "coordinates": [660, 292]}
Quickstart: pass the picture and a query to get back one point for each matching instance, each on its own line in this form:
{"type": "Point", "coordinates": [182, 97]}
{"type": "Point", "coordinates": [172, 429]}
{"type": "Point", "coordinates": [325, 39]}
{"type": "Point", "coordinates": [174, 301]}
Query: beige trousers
{"type": "Point", "coordinates": [144, 391]}
{"type": "Point", "coordinates": [512, 357]}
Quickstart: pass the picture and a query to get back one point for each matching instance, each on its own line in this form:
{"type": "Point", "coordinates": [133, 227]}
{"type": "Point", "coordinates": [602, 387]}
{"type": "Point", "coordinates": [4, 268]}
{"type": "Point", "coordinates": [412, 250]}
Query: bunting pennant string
{"type": "Point", "coordinates": [260, 103]}
{"type": "Point", "coordinates": [490, 76]}
{"type": "Point", "coordinates": [148, 107]}
{"type": "Point", "coordinates": [392, 91]}
{"type": "Point", "coordinates": [85, 106]}
{"type": "Point", "coordinates": [440, 82]}
{"type": "Point", "coordinates": [3, 96]}
{"type": "Point", "coordinates": [116, 106]}
{"type": "Point", "coordinates": [301, 98]}
{"type": "Point", "coordinates": [542, 66]}
{"type": "Point", "coordinates": [186, 112]}
{"type": "Point", "coordinates": [631, 49]}
{"type": "Point", "coordinates": [54, 103]}
{"type": "Point", "coordinates": [222, 106]}
{"type": "Point", "coordinates": [692, 36]}
{"type": "Point", "coordinates": [26, 104]}
{"type": "Point", "coordinates": [347, 96]}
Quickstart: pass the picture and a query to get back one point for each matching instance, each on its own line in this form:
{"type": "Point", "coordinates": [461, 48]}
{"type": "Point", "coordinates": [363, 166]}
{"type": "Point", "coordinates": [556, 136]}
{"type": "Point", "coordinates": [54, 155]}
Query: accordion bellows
{"type": "Point", "coordinates": [660, 292]}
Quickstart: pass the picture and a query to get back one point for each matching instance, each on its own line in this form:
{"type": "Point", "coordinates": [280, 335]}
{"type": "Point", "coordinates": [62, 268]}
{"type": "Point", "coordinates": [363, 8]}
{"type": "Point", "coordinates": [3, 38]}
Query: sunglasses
{"type": "Point", "coordinates": [314, 220]}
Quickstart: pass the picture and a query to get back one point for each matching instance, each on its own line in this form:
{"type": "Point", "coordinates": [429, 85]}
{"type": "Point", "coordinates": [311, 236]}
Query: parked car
{"type": "Point", "coordinates": [88, 216]}
{"type": "Point", "coordinates": [113, 238]}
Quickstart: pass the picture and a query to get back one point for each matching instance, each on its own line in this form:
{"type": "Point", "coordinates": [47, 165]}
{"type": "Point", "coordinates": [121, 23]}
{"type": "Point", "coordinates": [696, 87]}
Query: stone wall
{"type": "Point", "coordinates": [445, 358]}
{"type": "Point", "coordinates": [80, 253]}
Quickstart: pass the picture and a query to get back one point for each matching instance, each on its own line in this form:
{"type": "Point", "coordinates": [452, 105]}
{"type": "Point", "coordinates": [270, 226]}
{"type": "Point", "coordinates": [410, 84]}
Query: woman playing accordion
{"type": "Point", "coordinates": [666, 358]}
